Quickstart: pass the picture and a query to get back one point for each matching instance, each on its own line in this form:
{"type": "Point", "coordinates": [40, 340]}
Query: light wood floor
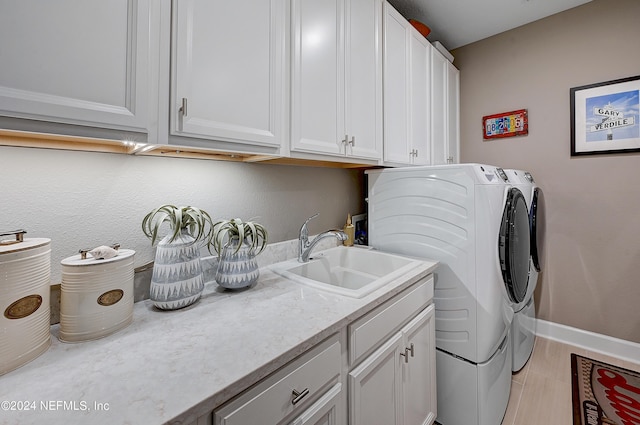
{"type": "Point", "coordinates": [541, 391]}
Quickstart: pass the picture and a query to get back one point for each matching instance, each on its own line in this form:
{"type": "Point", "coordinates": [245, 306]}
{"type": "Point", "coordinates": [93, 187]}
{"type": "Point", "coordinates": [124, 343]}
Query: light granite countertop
{"type": "Point", "coordinates": [171, 367]}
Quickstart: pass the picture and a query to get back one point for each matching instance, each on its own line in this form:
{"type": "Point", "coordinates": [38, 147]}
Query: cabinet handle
{"type": "Point", "coordinates": [405, 355]}
{"type": "Point", "coordinates": [450, 160]}
{"type": "Point", "coordinates": [183, 108]}
{"type": "Point", "coordinates": [407, 350]}
{"type": "Point", "coordinates": [297, 396]}
{"type": "Point", "coordinates": [352, 142]}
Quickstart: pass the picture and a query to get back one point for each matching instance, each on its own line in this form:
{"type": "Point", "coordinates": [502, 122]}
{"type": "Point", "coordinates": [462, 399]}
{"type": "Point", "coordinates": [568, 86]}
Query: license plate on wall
{"type": "Point", "coordinates": [506, 124]}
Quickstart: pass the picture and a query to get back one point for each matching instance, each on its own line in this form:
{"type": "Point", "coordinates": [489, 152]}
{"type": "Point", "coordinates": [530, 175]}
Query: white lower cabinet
{"type": "Point", "coordinates": [326, 411]}
{"type": "Point", "coordinates": [396, 384]}
{"type": "Point", "coordinates": [375, 387]}
{"type": "Point", "coordinates": [306, 391]}
{"type": "Point", "coordinates": [393, 351]}
{"type": "Point", "coordinates": [418, 371]}
{"type": "Point", "coordinates": [389, 370]}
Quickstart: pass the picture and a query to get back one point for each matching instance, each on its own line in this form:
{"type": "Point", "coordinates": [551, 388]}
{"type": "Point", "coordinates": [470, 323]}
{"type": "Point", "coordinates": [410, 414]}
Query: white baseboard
{"type": "Point", "coordinates": [620, 348]}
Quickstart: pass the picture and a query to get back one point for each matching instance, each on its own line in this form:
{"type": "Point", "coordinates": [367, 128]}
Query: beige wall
{"type": "Point", "coordinates": [591, 277]}
{"type": "Point", "coordinates": [85, 199]}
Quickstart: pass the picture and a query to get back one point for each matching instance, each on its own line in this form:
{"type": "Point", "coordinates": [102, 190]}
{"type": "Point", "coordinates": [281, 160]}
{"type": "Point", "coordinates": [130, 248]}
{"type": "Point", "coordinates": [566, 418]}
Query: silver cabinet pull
{"type": "Point", "coordinates": [183, 108]}
{"type": "Point", "coordinates": [297, 396]}
{"type": "Point", "coordinates": [352, 142]}
{"type": "Point", "coordinates": [405, 355]}
{"type": "Point", "coordinates": [407, 350]}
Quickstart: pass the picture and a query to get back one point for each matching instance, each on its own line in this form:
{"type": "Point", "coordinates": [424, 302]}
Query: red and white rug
{"type": "Point", "coordinates": [604, 394]}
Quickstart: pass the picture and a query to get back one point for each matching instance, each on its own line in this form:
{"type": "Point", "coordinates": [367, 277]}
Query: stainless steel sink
{"type": "Point", "coordinates": [350, 271]}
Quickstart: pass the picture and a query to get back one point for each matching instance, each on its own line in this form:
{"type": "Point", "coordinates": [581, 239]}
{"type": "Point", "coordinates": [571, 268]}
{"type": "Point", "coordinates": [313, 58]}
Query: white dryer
{"type": "Point", "coordinates": [523, 327]}
{"type": "Point", "coordinates": [467, 217]}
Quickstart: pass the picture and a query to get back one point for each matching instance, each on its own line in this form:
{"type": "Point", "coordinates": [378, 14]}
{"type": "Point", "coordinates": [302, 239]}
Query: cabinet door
{"type": "Point", "coordinates": [453, 114]}
{"type": "Point", "coordinates": [375, 386]}
{"type": "Point", "coordinates": [229, 70]}
{"type": "Point", "coordinates": [438, 108]}
{"type": "Point", "coordinates": [419, 95]}
{"type": "Point", "coordinates": [318, 76]}
{"type": "Point", "coordinates": [76, 62]}
{"type": "Point", "coordinates": [407, 92]}
{"type": "Point", "coordinates": [326, 411]}
{"type": "Point", "coordinates": [419, 371]}
{"type": "Point", "coordinates": [363, 86]}
{"type": "Point", "coordinates": [397, 144]}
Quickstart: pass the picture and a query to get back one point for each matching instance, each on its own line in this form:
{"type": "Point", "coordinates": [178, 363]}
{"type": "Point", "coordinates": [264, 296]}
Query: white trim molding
{"type": "Point", "coordinates": [620, 348]}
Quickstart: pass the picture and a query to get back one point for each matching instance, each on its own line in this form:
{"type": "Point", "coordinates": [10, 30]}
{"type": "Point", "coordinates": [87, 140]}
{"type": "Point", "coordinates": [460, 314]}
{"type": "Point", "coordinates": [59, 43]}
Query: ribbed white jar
{"type": "Point", "coordinates": [96, 296]}
{"type": "Point", "coordinates": [25, 272]}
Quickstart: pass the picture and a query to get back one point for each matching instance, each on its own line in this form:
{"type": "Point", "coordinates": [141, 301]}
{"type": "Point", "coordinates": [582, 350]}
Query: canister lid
{"type": "Point", "coordinates": [27, 243]}
{"type": "Point", "coordinates": [77, 260]}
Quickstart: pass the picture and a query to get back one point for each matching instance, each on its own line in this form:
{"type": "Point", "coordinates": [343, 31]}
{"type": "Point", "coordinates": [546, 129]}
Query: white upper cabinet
{"type": "Point", "coordinates": [453, 113]}
{"type": "Point", "coordinates": [337, 78]}
{"type": "Point", "coordinates": [76, 62]}
{"type": "Point", "coordinates": [406, 91]}
{"type": "Point", "coordinates": [420, 117]}
{"type": "Point", "coordinates": [229, 78]}
{"type": "Point", "coordinates": [397, 87]}
{"type": "Point", "coordinates": [444, 110]}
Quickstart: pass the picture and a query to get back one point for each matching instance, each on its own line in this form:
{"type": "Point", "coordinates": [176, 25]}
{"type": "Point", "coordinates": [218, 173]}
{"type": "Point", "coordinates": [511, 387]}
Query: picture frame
{"type": "Point", "coordinates": [604, 117]}
{"type": "Point", "coordinates": [505, 124]}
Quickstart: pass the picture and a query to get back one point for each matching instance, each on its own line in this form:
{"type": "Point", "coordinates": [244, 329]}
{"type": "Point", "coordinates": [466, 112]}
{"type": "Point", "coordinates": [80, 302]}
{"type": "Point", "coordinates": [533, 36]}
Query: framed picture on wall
{"type": "Point", "coordinates": [604, 117]}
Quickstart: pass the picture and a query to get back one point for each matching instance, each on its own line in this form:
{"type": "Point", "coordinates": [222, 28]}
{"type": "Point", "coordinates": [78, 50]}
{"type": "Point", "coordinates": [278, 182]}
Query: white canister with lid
{"type": "Point", "coordinates": [25, 273]}
{"type": "Point", "coordinates": [96, 296]}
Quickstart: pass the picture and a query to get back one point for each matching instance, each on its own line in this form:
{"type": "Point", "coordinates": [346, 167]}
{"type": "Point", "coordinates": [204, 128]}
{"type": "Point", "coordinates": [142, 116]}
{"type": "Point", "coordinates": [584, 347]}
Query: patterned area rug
{"type": "Point", "coordinates": [604, 394]}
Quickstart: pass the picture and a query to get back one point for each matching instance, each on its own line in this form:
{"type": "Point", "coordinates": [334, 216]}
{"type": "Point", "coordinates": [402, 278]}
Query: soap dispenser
{"type": "Point", "coordinates": [350, 230]}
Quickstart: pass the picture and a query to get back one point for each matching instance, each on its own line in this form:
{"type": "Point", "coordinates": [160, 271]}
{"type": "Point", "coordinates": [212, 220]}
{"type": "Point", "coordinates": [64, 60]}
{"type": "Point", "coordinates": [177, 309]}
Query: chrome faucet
{"type": "Point", "coordinates": [305, 246]}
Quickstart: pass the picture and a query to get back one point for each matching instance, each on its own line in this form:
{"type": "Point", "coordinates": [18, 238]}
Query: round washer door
{"type": "Point", "coordinates": [536, 224]}
{"type": "Point", "coordinates": [514, 245]}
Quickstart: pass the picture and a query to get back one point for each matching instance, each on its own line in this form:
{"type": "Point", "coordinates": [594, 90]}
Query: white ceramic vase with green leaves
{"type": "Point", "coordinates": [238, 243]}
{"type": "Point", "coordinates": [177, 279]}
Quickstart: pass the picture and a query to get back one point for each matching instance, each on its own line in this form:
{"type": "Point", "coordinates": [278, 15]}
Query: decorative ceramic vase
{"type": "Point", "coordinates": [237, 268]}
{"type": "Point", "coordinates": [177, 273]}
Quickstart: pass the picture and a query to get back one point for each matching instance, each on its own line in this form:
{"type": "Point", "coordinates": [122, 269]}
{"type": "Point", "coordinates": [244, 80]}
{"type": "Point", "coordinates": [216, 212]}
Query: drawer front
{"type": "Point", "coordinates": [273, 399]}
{"type": "Point", "coordinates": [366, 333]}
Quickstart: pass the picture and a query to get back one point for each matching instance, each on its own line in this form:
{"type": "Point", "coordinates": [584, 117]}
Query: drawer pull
{"type": "Point", "coordinates": [297, 396]}
{"type": "Point", "coordinates": [411, 349]}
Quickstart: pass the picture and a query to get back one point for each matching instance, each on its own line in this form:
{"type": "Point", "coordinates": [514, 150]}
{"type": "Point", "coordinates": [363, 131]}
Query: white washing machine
{"type": "Point", "coordinates": [476, 225]}
{"type": "Point", "coordinates": [523, 326]}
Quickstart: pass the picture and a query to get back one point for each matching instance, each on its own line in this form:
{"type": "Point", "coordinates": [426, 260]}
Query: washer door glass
{"type": "Point", "coordinates": [514, 245]}
{"type": "Point", "coordinates": [536, 223]}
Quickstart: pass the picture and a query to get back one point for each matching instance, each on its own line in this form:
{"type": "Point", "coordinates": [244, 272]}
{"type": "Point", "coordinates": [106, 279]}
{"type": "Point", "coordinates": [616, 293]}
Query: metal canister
{"type": "Point", "coordinates": [25, 273]}
{"type": "Point", "coordinates": [96, 296]}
